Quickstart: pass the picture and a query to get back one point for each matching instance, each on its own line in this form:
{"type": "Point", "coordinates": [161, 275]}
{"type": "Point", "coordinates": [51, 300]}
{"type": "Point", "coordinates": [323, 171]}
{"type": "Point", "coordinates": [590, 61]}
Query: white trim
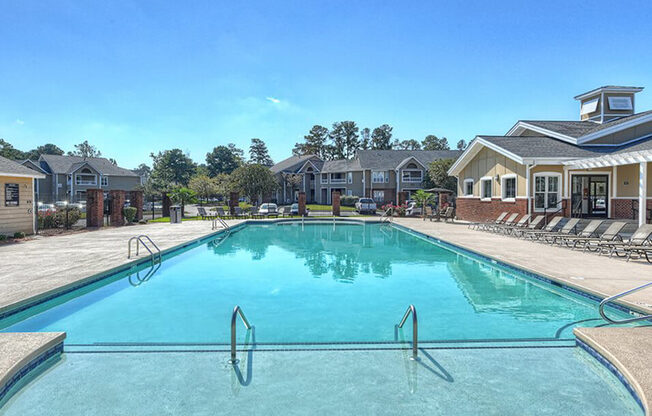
{"type": "Point", "coordinates": [304, 165]}
{"type": "Point", "coordinates": [642, 193]}
{"type": "Point", "coordinates": [613, 129]}
{"type": "Point", "coordinates": [516, 131]}
{"type": "Point", "coordinates": [546, 192]}
{"type": "Point", "coordinates": [464, 194]}
{"type": "Point", "coordinates": [502, 186]}
{"type": "Point", "coordinates": [23, 175]}
{"type": "Point", "coordinates": [473, 149]}
{"type": "Point", "coordinates": [407, 159]}
{"type": "Point", "coordinates": [623, 90]}
{"type": "Point", "coordinates": [489, 179]}
{"type": "Point", "coordinates": [411, 170]}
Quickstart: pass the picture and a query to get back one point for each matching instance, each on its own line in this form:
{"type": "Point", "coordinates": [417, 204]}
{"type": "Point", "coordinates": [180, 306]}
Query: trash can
{"type": "Point", "coordinates": [175, 214]}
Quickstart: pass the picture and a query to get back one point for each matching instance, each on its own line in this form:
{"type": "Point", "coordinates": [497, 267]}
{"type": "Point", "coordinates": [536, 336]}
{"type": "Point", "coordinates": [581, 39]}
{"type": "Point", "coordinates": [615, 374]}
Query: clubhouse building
{"type": "Point", "coordinates": [594, 167]}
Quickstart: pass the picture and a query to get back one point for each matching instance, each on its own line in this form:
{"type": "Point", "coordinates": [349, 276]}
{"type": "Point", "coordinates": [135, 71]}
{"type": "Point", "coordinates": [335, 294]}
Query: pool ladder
{"type": "Point", "coordinates": [619, 295]}
{"type": "Point", "coordinates": [387, 217]}
{"type": "Point", "coordinates": [237, 311]}
{"type": "Point", "coordinates": [139, 241]}
{"type": "Point", "coordinates": [220, 221]}
{"type": "Point", "coordinates": [415, 329]}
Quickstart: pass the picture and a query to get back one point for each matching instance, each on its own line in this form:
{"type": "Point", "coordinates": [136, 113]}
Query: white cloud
{"type": "Point", "coordinates": [19, 121]}
{"type": "Point", "coordinates": [273, 100]}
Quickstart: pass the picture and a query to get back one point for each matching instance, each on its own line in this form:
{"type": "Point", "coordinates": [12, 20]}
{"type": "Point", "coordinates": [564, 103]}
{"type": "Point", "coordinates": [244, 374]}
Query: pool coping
{"type": "Point", "coordinates": [609, 359]}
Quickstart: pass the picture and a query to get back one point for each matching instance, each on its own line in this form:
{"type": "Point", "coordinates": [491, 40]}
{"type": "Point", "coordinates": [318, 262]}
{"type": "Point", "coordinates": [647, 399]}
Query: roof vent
{"type": "Point", "coordinates": [607, 103]}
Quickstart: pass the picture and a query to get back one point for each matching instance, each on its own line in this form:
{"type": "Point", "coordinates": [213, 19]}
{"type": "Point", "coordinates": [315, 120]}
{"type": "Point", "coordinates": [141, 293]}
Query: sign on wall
{"type": "Point", "coordinates": [11, 195]}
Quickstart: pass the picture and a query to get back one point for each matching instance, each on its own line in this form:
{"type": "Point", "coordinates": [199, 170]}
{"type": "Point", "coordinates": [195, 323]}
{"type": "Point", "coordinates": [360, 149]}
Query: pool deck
{"type": "Point", "coordinates": [630, 351]}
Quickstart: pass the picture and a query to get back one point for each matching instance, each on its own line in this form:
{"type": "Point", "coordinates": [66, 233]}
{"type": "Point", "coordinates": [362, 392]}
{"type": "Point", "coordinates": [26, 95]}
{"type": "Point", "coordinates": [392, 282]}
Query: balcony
{"type": "Point", "coordinates": [338, 180]}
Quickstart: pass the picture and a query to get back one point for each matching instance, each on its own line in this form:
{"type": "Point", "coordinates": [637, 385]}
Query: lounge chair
{"type": "Point", "coordinates": [591, 230]}
{"type": "Point", "coordinates": [533, 225]}
{"type": "Point", "coordinates": [448, 214]}
{"type": "Point", "coordinates": [272, 213]}
{"type": "Point", "coordinates": [488, 221]}
{"type": "Point", "coordinates": [203, 214]}
{"type": "Point", "coordinates": [239, 213]}
{"type": "Point", "coordinates": [509, 222]}
{"type": "Point", "coordinates": [570, 228]}
{"type": "Point", "coordinates": [612, 233]}
{"type": "Point", "coordinates": [638, 243]}
{"type": "Point", "coordinates": [547, 229]}
{"type": "Point", "coordinates": [523, 222]}
{"type": "Point", "coordinates": [285, 211]}
{"type": "Point", "coordinates": [429, 214]}
{"type": "Point", "coordinates": [220, 213]}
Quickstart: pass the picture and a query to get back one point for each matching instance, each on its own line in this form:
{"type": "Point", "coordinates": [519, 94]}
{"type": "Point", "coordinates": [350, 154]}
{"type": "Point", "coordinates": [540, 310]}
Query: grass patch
{"type": "Point", "coordinates": [329, 208]}
{"type": "Point", "coordinates": [167, 219]}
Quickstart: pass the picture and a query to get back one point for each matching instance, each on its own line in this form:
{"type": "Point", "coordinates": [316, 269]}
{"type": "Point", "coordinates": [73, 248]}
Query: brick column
{"type": "Point", "coordinates": [166, 205]}
{"type": "Point", "coordinates": [234, 200]}
{"type": "Point", "coordinates": [336, 203]}
{"type": "Point", "coordinates": [137, 202]}
{"type": "Point", "coordinates": [117, 204]}
{"type": "Point", "coordinates": [302, 203]}
{"type": "Point", "coordinates": [94, 208]}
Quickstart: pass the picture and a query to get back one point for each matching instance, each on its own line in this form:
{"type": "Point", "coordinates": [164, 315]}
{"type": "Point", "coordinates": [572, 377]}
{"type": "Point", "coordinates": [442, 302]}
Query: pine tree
{"type": "Point", "coordinates": [432, 142]}
{"type": "Point", "coordinates": [258, 153]}
{"type": "Point", "coordinates": [381, 137]}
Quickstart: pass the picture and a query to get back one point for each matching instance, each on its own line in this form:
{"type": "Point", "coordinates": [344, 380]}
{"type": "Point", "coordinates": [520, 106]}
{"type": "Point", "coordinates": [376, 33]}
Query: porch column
{"type": "Point", "coordinates": [642, 192]}
{"type": "Point", "coordinates": [527, 189]}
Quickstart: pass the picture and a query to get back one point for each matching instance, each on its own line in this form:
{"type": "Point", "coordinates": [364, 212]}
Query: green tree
{"type": "Point", "coordinates": [143, 171]}
{"type": "Point", "coordinates": [8, 151]}
{"type": "Point", "coordinates": [409, 144]}
{"type": "Point", "coordinates": [461, 145]}
{"type": "Point", "coordinates": [204, 186]}
{"type": "Point", "coordinates": [432, 142]}
{"type": "Point", "coordinates": [315, 143]}
{"type": "Point", "coordinates": [181, 196]}
{"type": "Point", "coordinates": [345, 139]}
{"type": "Point", "coordinates": [171, 168]}
{"type": "Point", "coordinates": [423, 198]}
{"type": "Point", "coordinates": [253, 181]}
{"type": "Point", "coordinates": [46, 149]}
{"type": "Point", "coordinates": [381, 137]}
{"type": "Point", "coordinates": [292, 181]}
{"type": "Point", "coordinates": [222, 160]}
{"type": "Point", "coordinates": [438, 174]}
{"type": "Point", "coordinates": [365, 138]}
{"type": "Point", "coordinates": [237, 152]}
{"type": "Point", "coordinates": [258, 153]}
{"type": "Point", "coordinates": [85, 150]}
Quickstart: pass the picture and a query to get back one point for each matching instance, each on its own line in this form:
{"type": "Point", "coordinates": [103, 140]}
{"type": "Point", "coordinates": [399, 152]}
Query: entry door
{"type": "Point", "coordinates": [590, 195]}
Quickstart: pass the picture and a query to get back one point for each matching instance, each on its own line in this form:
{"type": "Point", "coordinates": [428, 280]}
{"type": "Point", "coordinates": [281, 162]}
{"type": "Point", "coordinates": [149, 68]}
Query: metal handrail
{"type": "Point", "coordinates": [222, 223]}
{"type": "Point", "coordinates": [386, 216]}
{"type": "Point", "coordinates": [619, 295]}
{"type": "Point", "coordinates": [236, 311]}
{"type": "Point", "coordinates": [415, 329]}
{"type": "Point", "coordinates": [563, 206]}
{"type": "Point", "coordinates": [139, 241]}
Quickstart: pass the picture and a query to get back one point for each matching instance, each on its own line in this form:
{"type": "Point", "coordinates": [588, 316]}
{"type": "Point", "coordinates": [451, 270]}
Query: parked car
{"type": "Point", "coordinates": [46, 207]}
{"type": "Point", "coordinates": [267, 209]}
{"type": "Point", "coordinates": [294, 209]}
{"type": "Point", "coordinates": [366, 205]}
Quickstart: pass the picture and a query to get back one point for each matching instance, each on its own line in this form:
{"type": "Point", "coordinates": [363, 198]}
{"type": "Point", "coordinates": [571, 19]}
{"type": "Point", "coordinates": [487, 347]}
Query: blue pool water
{"type": "Point", "coordinates": [315, 283]}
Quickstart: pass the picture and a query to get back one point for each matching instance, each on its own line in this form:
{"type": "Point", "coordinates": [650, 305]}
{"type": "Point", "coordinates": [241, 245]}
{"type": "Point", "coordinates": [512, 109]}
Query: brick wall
{"type": "Point", "coordinates": [117, 198]}
{"type": "Point", "coordinates": [94, 208]}
{"type": "Point", "coordinates": [473, 209]}
{"type": "Point", "coordinates": [336, 203]}
{"type": "Point", "coordinates": [622, 208]}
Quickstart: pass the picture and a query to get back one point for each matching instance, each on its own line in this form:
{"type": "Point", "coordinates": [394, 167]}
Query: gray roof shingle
{"type": "Point", "coordinates": [9, 167]}
{"type": "Point", "coordinates": [390, 159]}
{"type": "Point", "coordinates": [66, 164]}
{"type": "Point", "coordinates": [577, 129]}
{"type": "Point", "coordinates": [343, 165]}
{"type": "Point", "coordinates": [294, 163]}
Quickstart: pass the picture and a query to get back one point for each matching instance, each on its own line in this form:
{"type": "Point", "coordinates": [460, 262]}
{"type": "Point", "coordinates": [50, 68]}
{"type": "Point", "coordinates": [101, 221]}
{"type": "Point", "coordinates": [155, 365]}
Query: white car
{"type": "Point", "coordinates": [366, 205]}
{"type": "Point", "coordinates": [294, 209]}
{"type": "Point", "coordinates": [46, 207]}
{"type": "Point", "coordinates": [268, 209]}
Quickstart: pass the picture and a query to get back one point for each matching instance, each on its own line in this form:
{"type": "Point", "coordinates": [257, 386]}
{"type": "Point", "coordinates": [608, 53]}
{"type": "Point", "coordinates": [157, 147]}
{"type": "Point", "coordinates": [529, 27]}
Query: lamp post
{"type": "Point", "coordinates": [65, 203]}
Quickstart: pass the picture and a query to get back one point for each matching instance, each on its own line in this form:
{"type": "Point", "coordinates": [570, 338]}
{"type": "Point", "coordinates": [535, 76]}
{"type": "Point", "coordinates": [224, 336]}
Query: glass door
{"type": "Point", "coordinates": [590, 195]}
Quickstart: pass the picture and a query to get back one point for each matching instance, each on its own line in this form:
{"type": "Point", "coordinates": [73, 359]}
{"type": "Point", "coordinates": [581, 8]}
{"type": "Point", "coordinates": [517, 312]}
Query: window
{"type": "Point", "coordinates": [349, 177]}
{"type": "Point", "coordinates": [349, 192]}
{"type": "Point", "coordinates": [324, 178]}
{"type": "Point", "coordinates": [546, 190]}
{"type": "Point", "coordinates": [379, 177]}
{"type": "Point", "coordinates": [485, 188]}
{"type": "Point", "coordinates": [379, 196]}
{"type": "Point", "coordinates": [411, 166]}
{"type": "Point", "coordinates": [85, 179]}
{"type": "Point", "coordinates": [468, 187]}
{"type": "Point", "coordinates": [105, 181]}
{"type": "Point", "coordinates": [620, 103]}
{"type": "Point", "coordinates": [338, 178]}
{"type": "Point", "coordinates": [589, 106]}
{"type": "Point", "coordinates": [508, 187]}
{"type": "Point", "coordinates": [412, 175]}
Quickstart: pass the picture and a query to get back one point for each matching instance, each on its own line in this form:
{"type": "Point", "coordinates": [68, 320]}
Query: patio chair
{"type": "Point", "coordinates": [447, 214]}
{"type": "Point", "coordinates": [638, 243]}
{"type": "Point", "coordinates": [523, 222]}
{"type": "Point", "coordinates": [547, 229]}
{"type": "Point", "coordinates": [590, 230]}
{"type": "Point", "coordinates": [570, 228]}
{"type": "Point", "coordinates": [430, 214]}
{"type": "Point", "coordinates": [612, 233]}
{"type": "Point", "coordinates": [272, 213]}
{"type": "Point", "coordinates": [533, 225]}
{"type": "Point", "coordinates": [285, 211]}
{"type": "Point", "coordinates": [509, 222]}
{"type": "Point", "coordinates": [203, 214]}
{"type": "Point", "coordinates": [220, 213]}
{"type": "Point", "coordinates": [488, 221]}
{"type": "Point", "coordinates": [240, 213]}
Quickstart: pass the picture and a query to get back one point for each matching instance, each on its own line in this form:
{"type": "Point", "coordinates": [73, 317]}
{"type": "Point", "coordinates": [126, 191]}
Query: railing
{"type": "Point", "coordinates": [415, 329]}
{"type": "Point", "coordinates": [619, 295]}
{"type": "Point", "coordinates": [387, 216]}
{"type": "Point", "coordinates": [220, 221]}
{"type": "Point", "coordinates": [338, 180]}
{"type": "Point", "coordinates": [563, 203]}
{"type": "Point", "coordinates": [648, 215]}
{"type": "Point", "coordinates": [139, 241]}
{"type": "Point", "coordinates": [236, 311]}
{"type": "Point", "coordinates": [576, 211]}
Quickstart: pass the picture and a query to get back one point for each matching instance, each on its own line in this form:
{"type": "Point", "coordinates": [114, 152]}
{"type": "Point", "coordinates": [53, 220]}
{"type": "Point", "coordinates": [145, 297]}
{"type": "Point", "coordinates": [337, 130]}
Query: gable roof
{"type": "Point", "coordinates": [67, 164]}
{"type": "Point", "coordinates": [539, 147]}
{"type": "Point", "coordinates": [11, 168]}
{"type": "Point", "coordinates": [293, 163]}
{"type": "Point", "coordinates": [343, 165]}
{"type": "Point", "coordinates": [579, 131]}
{"type": "Point", "coordinates": [391, 159]}
{"type": "Point", "coordinates": [34, 165]}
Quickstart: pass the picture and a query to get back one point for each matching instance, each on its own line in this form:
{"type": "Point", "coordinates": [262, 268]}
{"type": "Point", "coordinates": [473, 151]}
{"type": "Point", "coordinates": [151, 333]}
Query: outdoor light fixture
{"type": "Point", "coordinates": [497, 177]}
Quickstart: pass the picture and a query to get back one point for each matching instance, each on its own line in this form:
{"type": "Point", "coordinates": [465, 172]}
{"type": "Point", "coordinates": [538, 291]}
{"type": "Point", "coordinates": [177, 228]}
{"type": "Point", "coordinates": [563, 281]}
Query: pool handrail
{"type": "Point", "coordinates": [219, 220]}
{"type": "Point", "coordinates": [605, 301]}
{"type": "Point", "coordinates": [415, 329]}
{"type": "Point", "coordinates": [139, 241]}
{"type": "Point", "coordinates": [236, 311]}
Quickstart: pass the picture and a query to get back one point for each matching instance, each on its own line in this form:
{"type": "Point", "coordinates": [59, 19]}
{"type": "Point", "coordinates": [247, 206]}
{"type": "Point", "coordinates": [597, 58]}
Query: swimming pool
{"type": "Point", "coordinates": [316, 288]}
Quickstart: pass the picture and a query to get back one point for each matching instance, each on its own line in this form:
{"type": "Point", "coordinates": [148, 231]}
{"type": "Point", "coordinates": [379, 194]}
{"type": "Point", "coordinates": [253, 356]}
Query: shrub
{"type": "Point", "coordinates": [52, 219]}
{"type": "Point", "coordinates": [19, 234]}
{"type": "Point", "coordinates": [348, 201]}
{"type": "Point", "coordinates": [130, 214]}
{"type": "Point", "coordinates": [3, 237]}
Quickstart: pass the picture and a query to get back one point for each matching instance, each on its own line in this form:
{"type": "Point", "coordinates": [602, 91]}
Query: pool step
{"type": "Point", "coordinates": [165, 347]}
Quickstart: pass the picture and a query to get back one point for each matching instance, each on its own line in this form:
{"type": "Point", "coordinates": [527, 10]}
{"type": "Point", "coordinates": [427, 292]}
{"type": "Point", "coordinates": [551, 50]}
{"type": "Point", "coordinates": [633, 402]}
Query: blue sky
{"type": "Point", "coordinates": [143, 76]}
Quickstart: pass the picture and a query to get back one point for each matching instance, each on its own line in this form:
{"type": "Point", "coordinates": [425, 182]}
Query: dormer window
{"type": "Point", "coordinates": [590, 106]}
{"type": "Point", "coordinates": [620, 103]}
